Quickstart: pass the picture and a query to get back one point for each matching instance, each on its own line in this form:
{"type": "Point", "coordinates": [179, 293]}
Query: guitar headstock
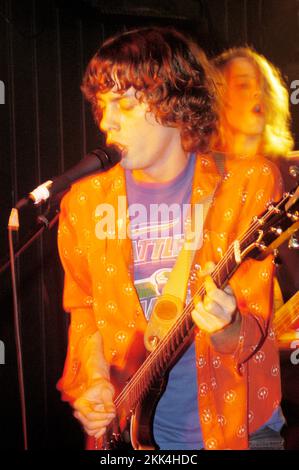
{"type": "Point", "coordinates": [271, 228]}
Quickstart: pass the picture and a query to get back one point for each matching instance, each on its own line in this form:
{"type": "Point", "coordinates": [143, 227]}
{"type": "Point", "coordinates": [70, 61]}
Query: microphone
{"type": "Point", "coordinates": [99, 159]}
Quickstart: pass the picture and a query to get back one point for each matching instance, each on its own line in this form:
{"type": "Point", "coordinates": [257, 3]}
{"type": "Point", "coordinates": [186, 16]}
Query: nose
{"type": "Point", "coordinates": [109, 120]}
{"type": "Point", "coordinates": [257, 92]}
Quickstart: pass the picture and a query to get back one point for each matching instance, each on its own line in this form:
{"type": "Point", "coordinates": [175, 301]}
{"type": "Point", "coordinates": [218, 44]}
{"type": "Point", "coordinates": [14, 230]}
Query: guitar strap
{"type": "Point", "coordinates": [170, 303]}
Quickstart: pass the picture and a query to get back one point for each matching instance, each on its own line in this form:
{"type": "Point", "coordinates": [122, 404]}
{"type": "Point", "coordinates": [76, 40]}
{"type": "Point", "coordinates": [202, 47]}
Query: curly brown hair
{"type": "Point", "coordinates": [168, 71]}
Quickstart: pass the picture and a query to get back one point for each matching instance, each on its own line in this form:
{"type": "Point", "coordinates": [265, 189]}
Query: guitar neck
{"type": "Point", "coordinates": [286, 315]}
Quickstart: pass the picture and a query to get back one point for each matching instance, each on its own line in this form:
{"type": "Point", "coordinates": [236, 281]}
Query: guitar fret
{"type": "Point", "coordinates": [227, 266]}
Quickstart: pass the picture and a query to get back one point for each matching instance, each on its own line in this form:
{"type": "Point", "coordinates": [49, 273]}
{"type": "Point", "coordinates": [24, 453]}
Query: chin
{"type": "Point", "coordinates": [127, 164]}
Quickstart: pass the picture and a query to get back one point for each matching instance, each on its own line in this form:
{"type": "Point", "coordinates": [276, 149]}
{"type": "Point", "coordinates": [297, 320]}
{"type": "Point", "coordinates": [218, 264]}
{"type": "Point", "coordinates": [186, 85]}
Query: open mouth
{"type": "Point", "coordinates": [257, 109]}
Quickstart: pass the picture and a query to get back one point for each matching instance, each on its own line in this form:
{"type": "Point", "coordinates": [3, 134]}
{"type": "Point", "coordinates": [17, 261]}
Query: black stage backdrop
{"type": "Point", "coordinates": [46, 127]}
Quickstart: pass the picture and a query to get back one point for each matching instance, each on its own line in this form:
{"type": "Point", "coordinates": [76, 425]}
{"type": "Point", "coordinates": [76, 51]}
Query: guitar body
{"type": "Point", "coordinates": [132, 431]}
{"type": "Point", "coordinates": [132, 427]}
{"type": "Point", "coordinates": [143, 417]}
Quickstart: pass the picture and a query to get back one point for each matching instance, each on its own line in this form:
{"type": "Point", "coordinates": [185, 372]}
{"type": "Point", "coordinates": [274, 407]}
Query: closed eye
{"type": "Point", "coordinates": [126, 104]}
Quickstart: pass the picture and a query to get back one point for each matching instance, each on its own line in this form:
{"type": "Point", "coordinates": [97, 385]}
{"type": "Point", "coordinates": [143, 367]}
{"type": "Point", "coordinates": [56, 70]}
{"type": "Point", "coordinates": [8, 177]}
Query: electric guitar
{"type": "Point", "coordinates": [137, 400]}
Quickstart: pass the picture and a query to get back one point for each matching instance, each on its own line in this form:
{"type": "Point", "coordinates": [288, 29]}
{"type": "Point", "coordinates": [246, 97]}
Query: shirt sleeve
{"type": "Point", "coordinates": [77, 299]}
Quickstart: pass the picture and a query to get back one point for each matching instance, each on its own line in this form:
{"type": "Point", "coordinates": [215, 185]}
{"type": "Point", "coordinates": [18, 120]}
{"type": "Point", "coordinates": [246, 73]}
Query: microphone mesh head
{"type": "Point", "coordinates": [109, 156]}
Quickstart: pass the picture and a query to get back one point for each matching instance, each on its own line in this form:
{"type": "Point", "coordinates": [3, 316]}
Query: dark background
{"type": "Point", "coordinates": [46, 127]}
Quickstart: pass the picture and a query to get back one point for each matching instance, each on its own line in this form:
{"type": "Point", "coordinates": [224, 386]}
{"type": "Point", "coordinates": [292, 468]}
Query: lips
{"type": "Point", "coordinates": [114, 143]}
{"type": "Point", "coordinates": [122, 149]}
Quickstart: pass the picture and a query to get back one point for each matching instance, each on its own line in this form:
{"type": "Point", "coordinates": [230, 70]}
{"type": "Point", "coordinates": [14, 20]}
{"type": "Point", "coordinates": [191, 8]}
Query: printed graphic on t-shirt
{"type": "Point", "coordinates": [158, 213]}
{"type": "Point", "coordinates": [153, 260]}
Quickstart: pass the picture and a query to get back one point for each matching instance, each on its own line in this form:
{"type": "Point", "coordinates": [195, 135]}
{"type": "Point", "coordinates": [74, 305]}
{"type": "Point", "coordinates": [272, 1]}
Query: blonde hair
{"type": "Point", "coordinates": [277, 139]}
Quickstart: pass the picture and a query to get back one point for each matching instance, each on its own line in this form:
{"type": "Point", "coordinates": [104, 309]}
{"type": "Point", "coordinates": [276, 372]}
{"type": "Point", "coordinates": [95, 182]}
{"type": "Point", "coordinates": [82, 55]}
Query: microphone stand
{"type": "Point", "coordinates": [43, 222]}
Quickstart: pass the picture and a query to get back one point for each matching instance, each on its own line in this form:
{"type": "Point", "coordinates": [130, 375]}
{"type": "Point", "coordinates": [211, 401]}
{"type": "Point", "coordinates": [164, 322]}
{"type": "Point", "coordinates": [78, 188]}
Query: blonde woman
{"type": "Point", "coordinates": [254, 124]}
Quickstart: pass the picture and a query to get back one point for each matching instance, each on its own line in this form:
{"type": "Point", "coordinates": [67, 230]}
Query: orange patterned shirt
{"type": "Point", "coordinates": [237, 392]}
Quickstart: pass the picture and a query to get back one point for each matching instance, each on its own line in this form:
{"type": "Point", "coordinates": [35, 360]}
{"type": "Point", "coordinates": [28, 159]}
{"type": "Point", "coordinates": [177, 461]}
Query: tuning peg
{"type": "Point", "coordinates": [293, 242]}
{"type": "Point", "coordinates": [272, 208]}
{"type": "Point", "coordinates": [294, 217]}
{"type": "Point", "coordinates": [276, 230]}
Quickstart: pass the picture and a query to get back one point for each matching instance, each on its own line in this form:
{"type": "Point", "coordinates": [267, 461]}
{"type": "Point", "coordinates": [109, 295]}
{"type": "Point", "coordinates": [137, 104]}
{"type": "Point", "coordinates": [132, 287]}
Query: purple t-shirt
{"type": "Point", "coordinates": [157, 237]}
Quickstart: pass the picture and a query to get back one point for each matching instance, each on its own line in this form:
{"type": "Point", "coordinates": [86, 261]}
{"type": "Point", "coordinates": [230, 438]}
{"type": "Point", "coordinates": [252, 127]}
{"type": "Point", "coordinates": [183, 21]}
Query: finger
{"type": "Point", "coordinates": [83, 408]}
{"type": "Point", "coordinates": [210, 285]}
{"type": "Point", "coordinates": [210, 325]}
{"type": "Point", "coordinates": [98, 415]}
{"type": "Point", "coordinates": [217, 310]}
{"type": "Point", "coordinates": [99, 407]}
{"type": "Point", "coordinates": [102, 403]}
{"type": "Point", "coordinates": [107, 392]}
{"type": "Point", "coordinates": [107, 397]}
{"type": "Point", "coordinates": [100, 433]}
{"type": "Point", "coordinates": [225, 299]}
{"type": "Point", "coordinates": [97, 425]}
{"type": "Point", "coordinates": [217, 302]}
{"type": "Point", "coordinates": [229, 290]}
{"type": "Point", "coordinates": [92, 425]}
{"type": "Point", "coordinates": [213, 316]}
{"type": "Point", "coordinates": [96, 433]}
{"type": "Point", "coordinates": [208, 268]}
{"type": "Point", "coordinates": [206, 321]}
{"type": "Point", "coordinates": [219, 298]}
{"type": "Point", "coordinates": [104, 406]}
